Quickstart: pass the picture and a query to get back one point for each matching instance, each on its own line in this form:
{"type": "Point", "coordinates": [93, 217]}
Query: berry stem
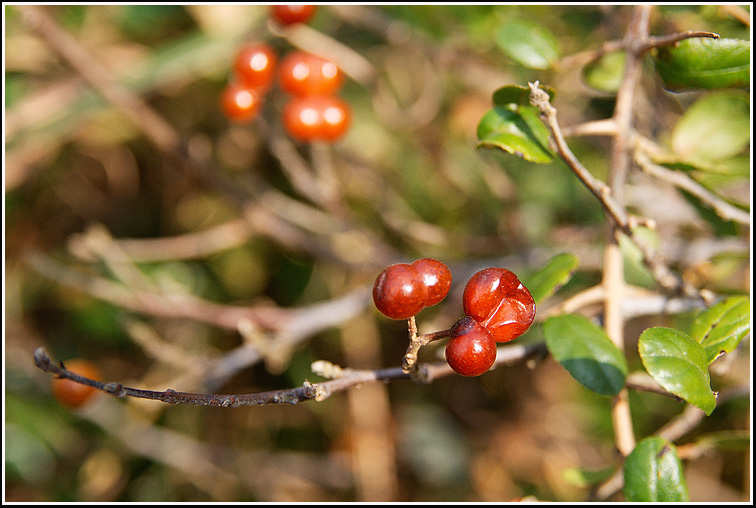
{"type": "Point", "coordinates": [416, 342]}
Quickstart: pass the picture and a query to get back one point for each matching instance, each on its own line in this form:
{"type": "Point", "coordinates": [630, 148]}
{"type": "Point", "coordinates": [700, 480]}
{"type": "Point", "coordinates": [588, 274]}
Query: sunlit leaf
{"type": "Point", "coordinates": [704, 63]}
{"type": "Point", "coordinates": [654, 473]}
{"type": "Point", "coordinates": [586, 352]}
{"type": "Point", "coordinates": [557, 272]}
{"type": "Point", "coordinates": [516, 130]}
{"type": "Point", "coordinates": [720, 328]}
{"type": "Point", "coordinates": [528, 43]}
{"type": "Point", "coordinates": [678, 363]}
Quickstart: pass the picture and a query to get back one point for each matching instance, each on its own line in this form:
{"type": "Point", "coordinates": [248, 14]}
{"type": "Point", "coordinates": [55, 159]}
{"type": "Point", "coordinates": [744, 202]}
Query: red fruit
{"type": "Point", "coordinates": [290, 14]}
{"type": "Point", "coordinates": [255, 66]}
{"type": "Point", "coordinates": [303, 73]}
{"type": "Point", "coordinates": [436, 278]}
{"type": "Point", "coordinates": [497, 300]}
{"type": "Point", "coordinates": [318, 117]}
{"type": "Point", "coordinates": [240, 103]}
{"type": "Point", "coordinates": [399, 292]}
{"type": "Point", "coordinates": [471, 350]}
{"type": "Point", "coordinates": [74, 395]}
{"type": "Point", "coordinates": [402, 290]}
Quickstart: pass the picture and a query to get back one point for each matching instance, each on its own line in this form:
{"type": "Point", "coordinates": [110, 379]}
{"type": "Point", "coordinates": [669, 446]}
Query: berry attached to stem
{"type": "Point", "coordinates": [496, 298]}
{"type": "Point", "coordinates": [471, 350]}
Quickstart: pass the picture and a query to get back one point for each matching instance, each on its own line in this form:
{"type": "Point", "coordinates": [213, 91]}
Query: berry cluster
{"type": "Point", "coordinates": [498, 308]}
{"type": "Point", "coordinates": [314, 112]}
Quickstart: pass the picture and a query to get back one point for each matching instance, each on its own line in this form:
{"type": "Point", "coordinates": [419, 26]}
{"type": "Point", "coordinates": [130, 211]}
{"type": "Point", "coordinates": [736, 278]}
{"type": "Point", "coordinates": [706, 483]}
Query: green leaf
{"type": "Point", "coordinates": [519, 95]}
{"type": "Point", "coordinates": [720, 328]}
{"type": "Point", "coordinates": [557, 272]}
{"type": "Point", "coordinates": [678, 363]}
{"type": "Point", "coordinates": [516, 130]}
{"type": "Point", "coordinates": [586, 352]}
{"type": "Point", "coordinates": [704, 63]}
{"type": "Point", "coordinates": [528, 43]}
{"type": "Point", "coordinates": [716, 127]}
{"type": "Point", "coordinates": [605, 74]}
{"type": "Point", "coordinates": [653, 473]}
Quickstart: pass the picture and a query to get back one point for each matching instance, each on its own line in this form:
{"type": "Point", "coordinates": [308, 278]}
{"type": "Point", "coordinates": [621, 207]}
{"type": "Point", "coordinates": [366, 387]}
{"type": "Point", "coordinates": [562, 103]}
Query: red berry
{"type": "Point", "coordinates": [317, 117]}
{"type": "Point", "coordinates": [497, 300]}
{"type": "Point", "coordinates": [471, 350]}
{"type": "Point", "coordinates": [255, 66]}
{"type": "Point", "coordinates": [436, 277]}
{"type": "Point", "coordinates": [402, 290]}
{"type": "Point", "coordinates": [240, 103]}
{"type": "Point", "coordinates": [303, 73]}
{"type": "Point", "coordinates": [290, 14]}
{"type": "Point", "coordinates": [399, 292]}
{"type": "Point", "coordinates": [74, 395]}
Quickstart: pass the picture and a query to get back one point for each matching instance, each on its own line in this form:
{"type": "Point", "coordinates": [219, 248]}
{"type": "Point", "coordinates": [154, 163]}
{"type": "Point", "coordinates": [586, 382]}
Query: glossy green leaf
{"type": "Point", "coordinates": [586, 352]}
{"type": "Point", "coordinates": [557, 272]}
{"type": "Point", "coordinates": [654, 473]}
{"type": "Point", "coordinates": [516, 130]}
{"type": "Point", "coordinates": [716, 127]}
{"type": "Point", "coordinates": [528, 43]}
{"type": "Point", "coordinates": [516, 94]}
{"type": "Point", "coordinates": [720, 328]}
{"type": "Point", "coordinates": [704, 63]}
{"type": "Point", "coordinates": [605, 74]}
{"type": "Point", "coordinates": [678, 363]}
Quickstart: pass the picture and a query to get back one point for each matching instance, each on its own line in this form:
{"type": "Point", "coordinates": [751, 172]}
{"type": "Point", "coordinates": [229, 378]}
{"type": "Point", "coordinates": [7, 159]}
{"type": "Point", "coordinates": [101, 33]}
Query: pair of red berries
{"type": "Point", "coordinates": [498, 308]}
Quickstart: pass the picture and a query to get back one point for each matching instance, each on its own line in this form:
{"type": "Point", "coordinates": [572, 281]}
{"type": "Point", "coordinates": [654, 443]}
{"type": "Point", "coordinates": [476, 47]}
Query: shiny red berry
{"type": "Point", "coordinates": [240, 103]}
{"type": "Point", "coordinates": [399, 292]}
{"type": "Point", "coordinates": [74, 395]}
{"type": "Point", "coordinates": [496, 298]}
{"type": "Point", "coordinates": [255, 66]}
{"type": "Point", "coordinates": [290, 14]}
{"type": "Point", "coordinates": [471, 350]}
{"type": "Point", "coordinates": [402, 290]}
{"type": "Point", "coordinates": [437, 279]}
{"type": "Point", "coordinates": [302, 73]}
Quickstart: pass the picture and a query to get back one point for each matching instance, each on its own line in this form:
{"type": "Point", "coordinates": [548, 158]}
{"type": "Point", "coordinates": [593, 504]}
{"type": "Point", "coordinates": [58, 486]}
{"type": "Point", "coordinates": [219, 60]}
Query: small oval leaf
{"type": "Point", "coordinates": [720, 328]}
{"type": "Point", "coordinates": [654, 473]}
{"type": "Point", "coordinates": [678, 363]}
{"type": "Point", "coordinates": [549, 279]}
{"type": "Point", "coordinates": [717, 127]}
{"type": "Point", "coordinates": [528, 43]}
{"type": "Point", "coordinates": [586, 352]}
{"type": "Point", "coordinates": [703, 63]}
{"type": "Point", "coordinates": [516, 130]}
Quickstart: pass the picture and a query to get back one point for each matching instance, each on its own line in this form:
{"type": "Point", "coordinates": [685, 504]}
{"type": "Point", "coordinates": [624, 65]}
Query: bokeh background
{"type": "Point", "coordinates": [97, 217]}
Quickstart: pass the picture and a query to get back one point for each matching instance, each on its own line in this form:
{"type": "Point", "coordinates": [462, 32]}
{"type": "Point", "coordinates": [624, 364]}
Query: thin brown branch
{"type": "Point", "coordinates": [661, 272]}
{"type": "Point", "coordinates": [348, 378]}
{"type": "Point", "coordinates": [660, 41]}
